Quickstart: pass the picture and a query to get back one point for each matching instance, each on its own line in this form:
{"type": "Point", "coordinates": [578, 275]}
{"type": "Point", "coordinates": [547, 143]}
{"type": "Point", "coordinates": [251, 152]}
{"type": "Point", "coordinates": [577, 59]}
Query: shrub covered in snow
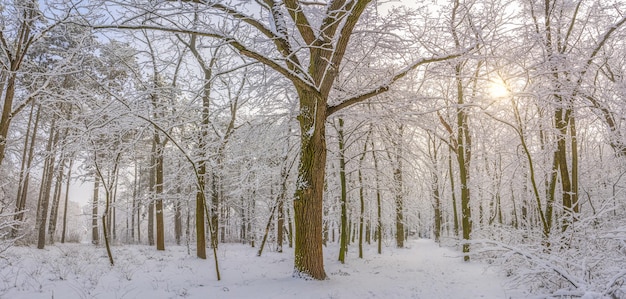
{"type": "Point", "coordinates": [588, 260]}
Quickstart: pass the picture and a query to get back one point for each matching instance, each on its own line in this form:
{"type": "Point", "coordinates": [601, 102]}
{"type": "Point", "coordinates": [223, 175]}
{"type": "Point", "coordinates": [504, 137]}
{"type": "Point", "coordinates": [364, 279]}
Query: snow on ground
{"type": "Point", "coordinates": [422, 270]}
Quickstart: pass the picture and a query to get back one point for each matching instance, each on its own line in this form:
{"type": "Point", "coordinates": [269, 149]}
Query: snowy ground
{"type": "Point", "coordinates": [423, 270]}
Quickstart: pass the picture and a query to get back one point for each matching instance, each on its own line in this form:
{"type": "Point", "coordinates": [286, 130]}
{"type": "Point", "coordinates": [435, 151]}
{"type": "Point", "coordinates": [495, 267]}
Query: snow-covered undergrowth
{"type": "Point", "coordinates": [586, 261]}
{"type": "Point", "coordinates": [423, 270]}
{"type": "Point", "coordinates": [6, 224]}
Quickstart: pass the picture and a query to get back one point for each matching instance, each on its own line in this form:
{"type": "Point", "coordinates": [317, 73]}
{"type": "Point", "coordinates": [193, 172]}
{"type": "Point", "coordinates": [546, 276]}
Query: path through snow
{"type": "Point", "coordinates": [422, 270]}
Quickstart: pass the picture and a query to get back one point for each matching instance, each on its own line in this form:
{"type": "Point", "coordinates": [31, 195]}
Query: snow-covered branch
{"type": "Point", "coordinates": [289, 74]}
{"type": "Point", "coordinates": [399, 75]}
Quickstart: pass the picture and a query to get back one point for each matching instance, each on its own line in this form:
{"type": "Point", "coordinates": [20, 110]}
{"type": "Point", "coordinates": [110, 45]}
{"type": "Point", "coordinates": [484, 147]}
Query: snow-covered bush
{"type": "Point", "coordinates": [588, 260]}
{"type": "Point", "coordinates": [7, 223]}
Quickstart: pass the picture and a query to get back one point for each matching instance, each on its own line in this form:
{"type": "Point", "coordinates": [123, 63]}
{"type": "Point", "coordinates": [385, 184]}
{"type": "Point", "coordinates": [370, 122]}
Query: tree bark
{"type": "Point", "coordinates": [56, 199]}
{"type": "Point", "coordinates": [308, 199]}
{"type": "Point", "coordinates": [379, 220]}
{"type": "Point", "coordinates": [160, 229]}
{"type": "Point", "coordinates": [433, 150]}
{"type": "Point", "coordinates": [25, 172]}
{"type": "Point", "coordinates": [66, 201]}
{"type": "Point", "coordinates": [362, 198]}
{"type": "Point", "coordinates": [399, 186]}
{"type": "Point", "coordinates": [94, 211]}
{"type": "Point", "coordinates": [453, 196]}
{"type": "Point", "coordinates": [343, 237]}
{"type": "Point", "coordinates": [152, 196]}
{"type": "Point", "coordinates": [46, 185]}
{"type": "Point", "coordinates": [178, 219]}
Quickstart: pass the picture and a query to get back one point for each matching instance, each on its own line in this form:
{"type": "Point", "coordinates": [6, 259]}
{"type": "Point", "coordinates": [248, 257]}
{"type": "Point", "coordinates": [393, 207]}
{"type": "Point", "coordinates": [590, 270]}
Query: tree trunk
{"type": "Point", "coordinates": [561, 120]}
{"type": "Point", "coordinates": [281, 208]}
{"type": "Point", "coordinates": [289, 229]}
{"type": "Point", "coordinates": [66, 201]}
{"type": "Point", "coordinates": [463, 158]}
{"type": "Point", "coordinates": [343, 241]}
{"type": "Point", "coordinates": [437, 203]}
{"type": "Point", "coordinates": [399, 208]}
{"type": "Point", "coordinates": [399, 192]}
{"type": "Point", "coordinates": [108, 185]}
{"type": "Point", "coordinates": [44, 196]}
{"type": "Point", "coordinates": [200, 202]}
{"type": "Point", "coordinates": [215, 203]}
{"type": "Point", "coordinates": [379, 220]}
{"type": "Point", "coordinates": [54, 209]}
{"type": "Point", "coordinates": [113, 208]}
{"type": "Point", "coordinates": [139, 206]}
{"type": "Point", "coordinates": [362, 197]}
{"type": "Point", "coordinates": [362, 208]}
{"type": "Point", "coordinates": [453, 195]}
{"type": "Point", "coordinates": [308, 199]}
{"type": "Point", "coordinates": [94, 211]}
{"type": "Point", "coordinates": [178, 219]}
{"type": "Point", "coordinates": [574, 147]}
{"type": "Point", "coordinates": [280, 225]}
{"type": "Point", "coordinates": [56, 199]}
{"type": "Point", "coordinates": [5, 120]}
{"type": "Point", "coordinates": [160, 229]}
{"type": "Point", "coordinates": [24, 181]}
{"type": "Point", "coordinates": [20, 48]}
{"type": "Point", "coordinates": [152, 196]}
{"type": "Point", "coordinates": [134, 204]}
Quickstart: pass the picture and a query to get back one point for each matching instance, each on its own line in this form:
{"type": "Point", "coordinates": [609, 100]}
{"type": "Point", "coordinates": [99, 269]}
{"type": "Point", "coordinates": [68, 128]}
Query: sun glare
{"type": "Point", "coordinates": [497, 89]}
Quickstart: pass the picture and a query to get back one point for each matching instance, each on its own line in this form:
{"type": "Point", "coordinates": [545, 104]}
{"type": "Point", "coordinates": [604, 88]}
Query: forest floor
{"type": "Point", "coordinates": [422, 270]}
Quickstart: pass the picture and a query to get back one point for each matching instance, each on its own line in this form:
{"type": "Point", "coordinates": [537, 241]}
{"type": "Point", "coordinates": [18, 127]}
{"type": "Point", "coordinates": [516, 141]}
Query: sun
{"type": "Point", "coordinates": [497, 89]}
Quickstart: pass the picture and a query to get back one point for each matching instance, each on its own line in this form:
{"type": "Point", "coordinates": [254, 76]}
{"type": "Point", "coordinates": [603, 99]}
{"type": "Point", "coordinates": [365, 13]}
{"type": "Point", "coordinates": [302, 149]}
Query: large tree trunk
{"type": "Point", "coordinates": [308, 199]}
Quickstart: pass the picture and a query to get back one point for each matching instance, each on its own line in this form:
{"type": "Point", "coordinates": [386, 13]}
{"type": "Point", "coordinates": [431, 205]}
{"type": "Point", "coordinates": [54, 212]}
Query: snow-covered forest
{"type": "Point", "coordinates": [330, 138]}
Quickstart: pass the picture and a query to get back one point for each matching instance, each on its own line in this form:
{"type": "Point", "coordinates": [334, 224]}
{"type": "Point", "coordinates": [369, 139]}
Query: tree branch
{"type": "Point", "coordinates": [289, 74]}
{"type": "Point", "coordinates": [302, 23]}
{"type": "Point", "coordinates": [385, 87]}
{"type": "Point", "coordinates": [344, 37]}
{"type": "Point", "coordinates": [281, 42]}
